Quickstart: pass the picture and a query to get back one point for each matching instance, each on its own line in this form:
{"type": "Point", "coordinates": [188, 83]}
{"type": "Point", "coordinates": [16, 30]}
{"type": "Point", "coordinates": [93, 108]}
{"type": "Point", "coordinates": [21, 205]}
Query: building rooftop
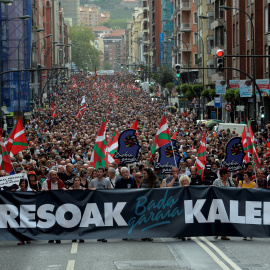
{"type": "Point", "coordinates": [115, 33]}
{"type": "Point", "coordinates": [101, 28]}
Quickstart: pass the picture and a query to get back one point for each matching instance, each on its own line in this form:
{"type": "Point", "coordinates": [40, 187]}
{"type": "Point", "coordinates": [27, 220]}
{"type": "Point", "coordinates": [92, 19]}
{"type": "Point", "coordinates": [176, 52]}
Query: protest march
{"type": "Point", "coordinates": [102, 159]}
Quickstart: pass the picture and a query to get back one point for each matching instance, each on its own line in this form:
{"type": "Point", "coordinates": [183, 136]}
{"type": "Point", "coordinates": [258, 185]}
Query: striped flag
{"type": "Point", "coordinates": [201, 157]}
{"type": "Point", "coordinates": [98, 158]}
{"type": "Point", "coordinates": [5, 160]}
{"type": "Point", "coordinates": [81, 111]}
{"type": "Point", "coordinates": [17, 139]}
{"type": "Point", "coordinates": [244, 143]}
{"type": "Point", "coordinates": [163, 135]}
{"type": "Point", "coordinates": [53, 111]}
{"type": "Point", "coordinates": [251, 148]}
{"type": "Point", "coordinates": [112, 147]}
{"type": "Point", "coordinates": [115, 99]}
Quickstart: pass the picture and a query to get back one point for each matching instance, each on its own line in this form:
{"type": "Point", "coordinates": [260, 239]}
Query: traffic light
{"type": "Point", "coordinates": [262, 111]}
{"type": "Point", "coordinates": [220, 60]}
{"type": "Point", "coordinates": [127, 66]}
{"type": "Point", "coordinates": [177, 68]}
{"type": "Point", "coordinates": [121, 65]}
{"type": "Point", "coordinates": [139, 73]}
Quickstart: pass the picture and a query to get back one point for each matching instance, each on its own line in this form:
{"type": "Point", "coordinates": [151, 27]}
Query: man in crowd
{"type": "Point", "coordinates": [209, 176]}
{"type": "Point", "coordinates": [126, 181]}
{"type": "Point", "coordinates": [195, 179]}
{"type": "Point", "coordinates": [53, 183]}
{"type": "Point", "coordinates": [172, 180]}
{"type": "Point", "coordinates": [100, 183]}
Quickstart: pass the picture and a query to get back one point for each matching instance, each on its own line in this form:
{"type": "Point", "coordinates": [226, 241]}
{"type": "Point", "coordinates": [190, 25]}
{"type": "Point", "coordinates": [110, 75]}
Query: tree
{"type": "Point", "coordinates": [107, 66]}
{"type": "Point", "coordinates": [163, 76]}
{"type": "Point", "coordinates": [205, 93]}
{"type": "Point", "coordinates": [83, 53]}
{"type": "Point", "coordinates": [197, 89]}
{"type": "Point", "coordinates": [233, 96]}
{"type": "Point", "coordinates": [169, 87]}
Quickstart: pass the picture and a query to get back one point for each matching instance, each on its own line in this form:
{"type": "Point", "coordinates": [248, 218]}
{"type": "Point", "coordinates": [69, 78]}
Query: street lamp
{"type": "Point", "coordinates": [253, 53]}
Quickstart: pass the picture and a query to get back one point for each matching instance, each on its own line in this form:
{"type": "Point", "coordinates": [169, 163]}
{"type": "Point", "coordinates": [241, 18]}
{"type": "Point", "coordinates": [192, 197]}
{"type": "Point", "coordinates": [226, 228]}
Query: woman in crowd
{"type": "Point", "coordinates": [77, 184]}
{"type": "Point", "coordinates": [150, 180]}
{"type": "Point", "coordinates": [84, 178]}
{"type": "Point", "coordinates": [133, 171]}
{"type": "Point", "coordinates": [23, 186]}
{"type": "Point", "coordinates": [93, 175]}
{"type": "Point", "coordinates": [184, 181]}
{"type": "Point", "coordinates": [247, 183]}
{"type": "Point", "coordinates": [33, 183]}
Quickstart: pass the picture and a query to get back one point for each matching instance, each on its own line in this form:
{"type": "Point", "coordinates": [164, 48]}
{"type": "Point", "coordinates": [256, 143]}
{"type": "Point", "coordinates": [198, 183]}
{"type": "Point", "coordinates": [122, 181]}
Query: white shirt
{"type": "Point", "coordinates": [53, 185]}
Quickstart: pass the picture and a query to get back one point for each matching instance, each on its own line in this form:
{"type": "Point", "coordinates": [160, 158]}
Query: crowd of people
{"type": "Point", "coordinates": [60, 148]}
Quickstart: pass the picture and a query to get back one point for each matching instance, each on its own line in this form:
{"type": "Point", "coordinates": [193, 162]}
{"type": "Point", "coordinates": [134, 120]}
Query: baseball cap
{"type": "Point", "coordinates": [31, 172]}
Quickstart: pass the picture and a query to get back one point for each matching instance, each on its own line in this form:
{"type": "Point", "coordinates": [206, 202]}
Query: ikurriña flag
{"type": "Point", "coordinates": [98, 158]}
{"type": "Point", "coordinates": [5, 157]}
{"type": "Point", "coordinates": [112, 147]}
{"type": "Point", "coordinates": [17, 139]}
{"type": "Point", "coordinates": [201, 157]}
{"type": "Point", "coordinates": [163, 135]}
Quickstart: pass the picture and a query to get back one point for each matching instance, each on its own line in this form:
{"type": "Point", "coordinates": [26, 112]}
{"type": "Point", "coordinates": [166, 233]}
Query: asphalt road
{"type": "Point", "coordinates": [163, 253]}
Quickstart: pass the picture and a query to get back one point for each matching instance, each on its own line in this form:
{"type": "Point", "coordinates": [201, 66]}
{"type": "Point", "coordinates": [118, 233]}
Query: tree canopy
{"type": "Point", "coordinates": [83, 53]}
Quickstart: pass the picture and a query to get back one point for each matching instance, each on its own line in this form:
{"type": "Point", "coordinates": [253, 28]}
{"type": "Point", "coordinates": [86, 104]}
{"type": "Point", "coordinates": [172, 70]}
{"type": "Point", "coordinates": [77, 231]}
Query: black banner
{"type": "Point", "coordinates": [130, 213]}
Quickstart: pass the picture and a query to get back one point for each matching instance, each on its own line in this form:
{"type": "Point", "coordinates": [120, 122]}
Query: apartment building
{"type": "Point", "coordinates": [205, 43]}
{"type": "Point", "coordinates": [113, 46]}
{"type": "Point", "coordinates": [185, 40]}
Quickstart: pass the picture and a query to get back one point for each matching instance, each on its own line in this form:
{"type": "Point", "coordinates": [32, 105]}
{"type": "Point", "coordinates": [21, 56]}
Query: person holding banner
{"type": "Point", "coordinates": [33, 183]}
{"type": "Point", "coordinates": [53, 183]}
{"type": "Point", "coordinates": [100, 183]}
{"type": "Point", "coordinates": [125, 181]}
{"type": "Point", "coordinates": [150, 180]}
{"type": "Point", "coordinates": [172, 180]}
{"type": "Point", "coordinates": [224, 181]}
{"type": "Point", "coordinates": [247, 183]}
{"type": "Point", "coordinates": [23, 186]}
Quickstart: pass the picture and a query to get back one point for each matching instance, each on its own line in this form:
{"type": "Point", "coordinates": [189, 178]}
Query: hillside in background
{"type": "Point", "coordinates": [119, 16]}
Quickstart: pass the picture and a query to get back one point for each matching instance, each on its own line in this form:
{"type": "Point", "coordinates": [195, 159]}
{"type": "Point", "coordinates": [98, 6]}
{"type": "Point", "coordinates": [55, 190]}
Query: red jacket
{"type": "Point", "coordinates": [61, 184]}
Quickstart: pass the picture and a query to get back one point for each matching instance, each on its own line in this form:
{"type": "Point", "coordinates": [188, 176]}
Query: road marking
{"type": "Point", "coordinates": [74, 248]}
{"type": "Point", "coordinates": [70, 265]}
{"type": "Point", "coordinates": [221, 254]}
{"type": "Point", "coordinates": [211, 254]}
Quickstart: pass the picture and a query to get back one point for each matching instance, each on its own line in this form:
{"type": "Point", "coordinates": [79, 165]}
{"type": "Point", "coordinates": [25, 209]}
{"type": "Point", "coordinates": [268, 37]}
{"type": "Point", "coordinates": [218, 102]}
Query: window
{"type": "Point", "coordinates": [266, 19]}
{"type": "Point", "coordinates": [195, 57]}
{"type": "Point", "coordinates": [248, 29]}
{"type": "Point", "coordinates": [195, 18]}
{"type": "Point", "coordinates": [266, 59]}
{"type": "Point", "coordinates": [195, 39]}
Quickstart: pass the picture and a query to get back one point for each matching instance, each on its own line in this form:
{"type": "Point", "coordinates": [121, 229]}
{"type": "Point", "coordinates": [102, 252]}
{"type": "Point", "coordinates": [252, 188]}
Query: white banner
{"type": "Point", "coordinates": [7, 181]}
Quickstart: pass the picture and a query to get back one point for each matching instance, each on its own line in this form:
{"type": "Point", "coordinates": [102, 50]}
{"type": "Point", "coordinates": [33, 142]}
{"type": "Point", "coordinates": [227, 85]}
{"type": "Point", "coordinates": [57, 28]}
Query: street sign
{"type": "Point", "coordinates": [217, 102]}
{"type": "Point", "coordinates": [228, 107]}
{"type": "Point", "coordinates": [240, 108]}
{"type": "Point", "coordinates": [194, 101]}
